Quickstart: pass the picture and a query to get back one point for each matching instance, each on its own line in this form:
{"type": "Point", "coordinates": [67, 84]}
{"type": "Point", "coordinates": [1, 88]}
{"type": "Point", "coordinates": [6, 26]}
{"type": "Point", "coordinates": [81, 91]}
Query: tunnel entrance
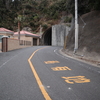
{"type": "Point", "coordinates": [55, 35]}
{"type": "Point", "coordinates": [47, 37]}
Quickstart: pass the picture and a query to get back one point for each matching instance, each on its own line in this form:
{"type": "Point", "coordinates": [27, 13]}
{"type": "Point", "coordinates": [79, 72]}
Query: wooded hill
{"type": "Point", "coordinates": [34, 13]}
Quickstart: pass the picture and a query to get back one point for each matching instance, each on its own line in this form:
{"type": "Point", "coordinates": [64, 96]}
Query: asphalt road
{"type": "Point", "coordinates": [43, 73]}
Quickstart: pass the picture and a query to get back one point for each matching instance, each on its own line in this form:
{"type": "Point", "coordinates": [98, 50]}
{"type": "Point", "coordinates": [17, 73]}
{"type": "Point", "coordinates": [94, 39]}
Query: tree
{"type": "Point", "coordinates": [84, 6]}
{"type": "Point", "coordinates": [19, 19]}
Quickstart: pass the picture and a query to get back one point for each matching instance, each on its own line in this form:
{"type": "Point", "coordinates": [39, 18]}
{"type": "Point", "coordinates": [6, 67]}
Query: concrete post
{"type": "Point", "coordinates": [37, 41]}
{"type": "Point", "coordinates": [76, 27]}
{"type": "Point", "coordinates": [53, 36]}
{"type": "Point", "coordinates": [4, 44]}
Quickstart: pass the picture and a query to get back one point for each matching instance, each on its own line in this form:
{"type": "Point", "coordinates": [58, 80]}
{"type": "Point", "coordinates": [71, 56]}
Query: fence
{"type": "Point", "coordinates": [23, 42]}
{"type": "Point", "coordinates": [12, 44]}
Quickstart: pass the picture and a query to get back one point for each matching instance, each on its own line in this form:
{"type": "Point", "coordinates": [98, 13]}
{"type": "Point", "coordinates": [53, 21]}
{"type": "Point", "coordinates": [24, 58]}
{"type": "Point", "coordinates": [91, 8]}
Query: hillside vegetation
{"type": "Point", "coordinates": [89, 37]}
{"type": "Point", "coordinates": [34, 13]}
{"type": "Point", "coordinates": [41, 12]}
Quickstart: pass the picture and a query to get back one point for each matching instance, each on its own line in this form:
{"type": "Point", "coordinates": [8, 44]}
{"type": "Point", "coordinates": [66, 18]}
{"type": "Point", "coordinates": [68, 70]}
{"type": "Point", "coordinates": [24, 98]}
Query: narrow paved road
{"type": "Point", "coordinates": [42, 73]}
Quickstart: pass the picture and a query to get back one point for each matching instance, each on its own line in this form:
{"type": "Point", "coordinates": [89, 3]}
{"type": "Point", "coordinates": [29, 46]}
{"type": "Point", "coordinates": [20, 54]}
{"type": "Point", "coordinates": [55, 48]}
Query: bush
{"type": "Point", "coordinates": [31, 23]}
{"type": "Point", "coordinates": [45, 26]}
{"type": "Point", "coordinates": [68, 19]}
{"type": "Point", "coordinates": [56, 15]}
{"type": "Point", "coordinates": [28, 7]}
{"type": "Point", "coordinates": [26, 12]}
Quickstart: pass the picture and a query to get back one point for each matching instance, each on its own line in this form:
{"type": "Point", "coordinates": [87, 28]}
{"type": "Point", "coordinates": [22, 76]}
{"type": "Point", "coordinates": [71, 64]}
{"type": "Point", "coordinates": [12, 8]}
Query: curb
{"type": "Point", "coordinates": [76, 57]}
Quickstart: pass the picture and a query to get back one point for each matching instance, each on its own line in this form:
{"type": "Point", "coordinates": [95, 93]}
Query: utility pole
{"type": "Point", "coordinates": [76, 26]}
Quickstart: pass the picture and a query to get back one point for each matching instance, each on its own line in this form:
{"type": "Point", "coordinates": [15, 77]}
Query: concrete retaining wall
{"type": "Point", "coordinates": [59, 32]}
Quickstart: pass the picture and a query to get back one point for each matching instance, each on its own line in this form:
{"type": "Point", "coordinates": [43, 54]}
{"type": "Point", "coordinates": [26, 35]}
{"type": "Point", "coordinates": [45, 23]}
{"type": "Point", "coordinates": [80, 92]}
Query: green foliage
{"type": "Point", "coordinates": [19, 18]}
{"type": "Point", "coordinates": [44, 26]}
{"type": "Point", "coordinates": [68, 19]}
{"type": "Point", "coordinates": [27, 12]}
{"type": "Point", "coordinates": [32, 24]}
{"type": "Point", "coordinates": [56, 15]}
{"type": "Point", "coordinates": [53, 11]}
{"type": "Point", "coordinates": [36, 11]}
{"type": "Point", "coordinates": [43, 5]}
{"type": "Point", "coordinates": [28, 6]}
{"type": "Point", "coordinates": [25, 24]}
{"type": "Point", "coordinates": [36, 18]}
{"type": "Point", "coordinates": [84, 6]}
{"type": "Point", "coordinates": [34, 32]}
{"type": "Point", "coordinates": [94, 4]}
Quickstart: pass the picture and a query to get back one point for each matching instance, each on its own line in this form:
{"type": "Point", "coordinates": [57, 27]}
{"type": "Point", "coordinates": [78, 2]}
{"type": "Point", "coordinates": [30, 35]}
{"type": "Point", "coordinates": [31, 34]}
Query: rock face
{"type": "Point", "coordinates": [89, 36]}
{"type": "Point", "coordinates": [59, 33]}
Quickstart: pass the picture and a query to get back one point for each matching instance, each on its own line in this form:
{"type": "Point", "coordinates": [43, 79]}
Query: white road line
{"type": "Point", "coordinates": [60, 55]}
{"type": "Point", "coordinates": [8, 61]}
{"type": "Point", "coordinates": [65, 57]}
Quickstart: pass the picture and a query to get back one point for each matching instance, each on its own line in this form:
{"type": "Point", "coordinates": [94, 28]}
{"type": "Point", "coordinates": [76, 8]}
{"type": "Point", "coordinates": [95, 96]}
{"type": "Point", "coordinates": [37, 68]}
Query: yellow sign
{"type": "Point", "coordinates": [60, 68]}
{"type": "Point", "coordinates": [51, 62]}
{"type": "Point", "coordinates": [76, 79]}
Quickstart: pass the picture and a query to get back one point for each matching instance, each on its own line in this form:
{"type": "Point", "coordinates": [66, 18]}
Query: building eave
{"type": "Point", "coordinates": [28, 35]}
{"type": "Point", "coordinates": [2, 32]}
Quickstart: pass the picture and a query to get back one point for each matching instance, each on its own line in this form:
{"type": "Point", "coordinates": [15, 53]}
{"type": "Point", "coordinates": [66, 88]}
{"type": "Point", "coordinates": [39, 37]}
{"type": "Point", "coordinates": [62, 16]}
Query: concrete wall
{"type": "Point", "coordinates": [23, 37]}
{"type": "Point", "coordinates": [59, 32]}
{"type": "Point", "coordinates": [0, 45]}
{"type": "Point", "coordinates": [14, 44]}
{"type": "Point", "coordinates": [5, 34]}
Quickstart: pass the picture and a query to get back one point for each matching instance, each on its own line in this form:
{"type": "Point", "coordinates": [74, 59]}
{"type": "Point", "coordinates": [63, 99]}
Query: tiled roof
{"type": "Point", "coordinates": [6, 30]}
{"type": "Point", "coordinates": [26, 33]}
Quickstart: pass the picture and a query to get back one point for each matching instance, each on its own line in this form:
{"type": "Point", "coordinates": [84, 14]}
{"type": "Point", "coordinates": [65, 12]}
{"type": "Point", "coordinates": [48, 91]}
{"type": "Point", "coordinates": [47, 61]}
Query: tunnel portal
{"type": "Point", "coordinates": [55, 35]}
{"type": "Point", "coordinates": [47, 37]}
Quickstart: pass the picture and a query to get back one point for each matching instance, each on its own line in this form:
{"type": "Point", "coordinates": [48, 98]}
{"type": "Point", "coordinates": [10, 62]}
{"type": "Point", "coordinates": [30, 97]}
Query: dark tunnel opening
{"type": "Point", "coordinates": [47, 37]}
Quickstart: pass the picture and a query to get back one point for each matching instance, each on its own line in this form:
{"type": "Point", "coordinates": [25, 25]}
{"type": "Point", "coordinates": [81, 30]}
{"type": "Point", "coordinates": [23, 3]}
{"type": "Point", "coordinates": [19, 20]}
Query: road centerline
{"type": "Point", "coordinates": [44, 92]}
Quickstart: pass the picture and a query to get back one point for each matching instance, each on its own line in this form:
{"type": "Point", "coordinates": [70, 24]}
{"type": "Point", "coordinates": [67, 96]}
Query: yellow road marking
{"type": "Point", "coordinates": [51, 62]}
{"type": "Point", "coordinates": [45, 94]}
{"type": "Point", "coordinates": [60, 68]}
{"type": "Point", "coordinates": [76, 79]}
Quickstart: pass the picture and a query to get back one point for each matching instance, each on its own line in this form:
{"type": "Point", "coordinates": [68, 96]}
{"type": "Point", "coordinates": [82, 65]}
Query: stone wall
{"type": "Point", "coordinates": [59, 32]}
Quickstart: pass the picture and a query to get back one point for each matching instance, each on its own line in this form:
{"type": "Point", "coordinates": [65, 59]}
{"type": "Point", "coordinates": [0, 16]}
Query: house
{"type": "Point", "coordinates": [6, 32]}
{"type": "Point", "coordinates": [11, 43]}
{"type": "Point", "coordinates": [27, 36]}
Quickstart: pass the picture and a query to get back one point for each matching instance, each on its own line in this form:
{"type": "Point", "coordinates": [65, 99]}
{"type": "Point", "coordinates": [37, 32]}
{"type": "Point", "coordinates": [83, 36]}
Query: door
{"type": "Point", "coordinates": [34, 41]}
